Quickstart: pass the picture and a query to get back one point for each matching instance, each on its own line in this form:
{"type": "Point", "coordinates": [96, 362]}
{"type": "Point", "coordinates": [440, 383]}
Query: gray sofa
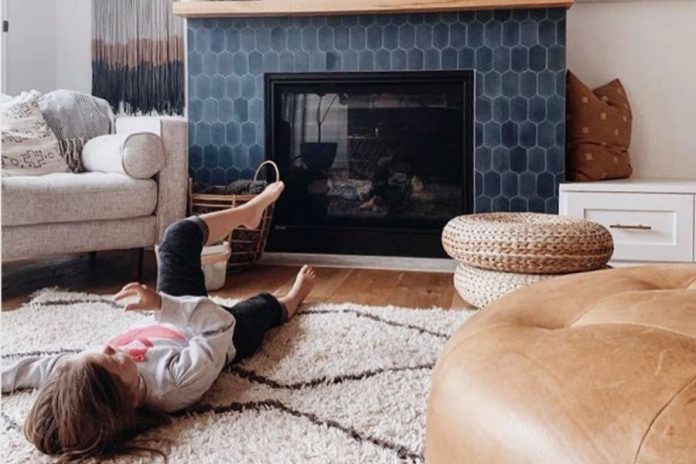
{"type": "Point", "coordinates": [65, 213]}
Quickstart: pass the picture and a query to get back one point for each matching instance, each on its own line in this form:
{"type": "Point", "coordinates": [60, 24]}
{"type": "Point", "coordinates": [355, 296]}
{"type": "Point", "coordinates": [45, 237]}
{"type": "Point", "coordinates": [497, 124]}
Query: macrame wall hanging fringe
{"type": "Point", "coordinates": [138, 55]}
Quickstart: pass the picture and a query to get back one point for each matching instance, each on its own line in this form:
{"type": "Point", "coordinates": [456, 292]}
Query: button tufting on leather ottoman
{"type": "Point", "coordinates": [598, 367]}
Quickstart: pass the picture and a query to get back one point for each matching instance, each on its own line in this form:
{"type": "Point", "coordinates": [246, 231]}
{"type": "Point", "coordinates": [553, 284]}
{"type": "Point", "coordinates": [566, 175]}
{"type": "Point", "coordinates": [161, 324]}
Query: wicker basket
{"type": "Point", "coordinates": [246, 245]}
{"type": "Point", "coordinates": [527, 243]}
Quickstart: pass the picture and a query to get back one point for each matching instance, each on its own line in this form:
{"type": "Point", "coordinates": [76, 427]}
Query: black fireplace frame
{"type": "Point", "coordinates": [369, 240]}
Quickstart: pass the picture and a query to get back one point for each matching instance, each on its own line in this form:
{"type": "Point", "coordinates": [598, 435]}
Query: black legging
{"type": "Point", "coordinates": [179, 273]}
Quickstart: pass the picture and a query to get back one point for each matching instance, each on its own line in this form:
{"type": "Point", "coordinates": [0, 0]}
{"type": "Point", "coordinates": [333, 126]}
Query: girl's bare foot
{"type": "Point", "coordinates": [304, 282]}
{"type": "Point", "coordinates": [253, 211]}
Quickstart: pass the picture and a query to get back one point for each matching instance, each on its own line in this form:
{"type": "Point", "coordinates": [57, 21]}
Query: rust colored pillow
{"type": "Point", "coordinates": [598, 131]}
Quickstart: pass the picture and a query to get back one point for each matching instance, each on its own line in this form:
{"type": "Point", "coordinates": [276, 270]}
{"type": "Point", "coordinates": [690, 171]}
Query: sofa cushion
{"type": "Point", "coordinates": [139, 154]}
{"type": "Point", "coordinates": [68, 197]}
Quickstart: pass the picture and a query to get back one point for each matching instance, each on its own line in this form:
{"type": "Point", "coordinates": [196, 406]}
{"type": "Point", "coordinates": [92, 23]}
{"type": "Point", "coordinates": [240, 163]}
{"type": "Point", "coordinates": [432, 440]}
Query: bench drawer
{"type": "Point", "coordinates": [645, 226]}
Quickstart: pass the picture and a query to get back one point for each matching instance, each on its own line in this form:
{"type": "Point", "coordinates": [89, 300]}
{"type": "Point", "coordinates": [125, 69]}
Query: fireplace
{"type": "Point", "coordinates": [515, 57]}
{"type": "Point", "coordinates": [375, 163]}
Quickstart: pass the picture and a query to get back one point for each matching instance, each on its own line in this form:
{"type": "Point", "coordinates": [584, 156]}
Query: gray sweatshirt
{"type": "Point", "coordinates": [179, 352]}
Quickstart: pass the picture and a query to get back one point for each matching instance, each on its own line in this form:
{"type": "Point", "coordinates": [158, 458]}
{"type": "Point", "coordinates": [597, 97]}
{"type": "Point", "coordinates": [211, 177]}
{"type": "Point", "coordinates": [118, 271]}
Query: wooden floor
{"type": "Point", "coordinates": [111, 270]}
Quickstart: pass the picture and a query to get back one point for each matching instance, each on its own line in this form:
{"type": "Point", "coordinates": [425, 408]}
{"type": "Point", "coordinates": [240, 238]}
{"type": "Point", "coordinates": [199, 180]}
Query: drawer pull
{"type": "Point", "coordinates": [628, 226]}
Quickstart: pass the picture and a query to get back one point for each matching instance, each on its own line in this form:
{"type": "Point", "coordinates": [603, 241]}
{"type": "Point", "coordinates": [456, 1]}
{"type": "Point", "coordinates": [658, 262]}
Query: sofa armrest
{"type": "Point", "coordinates": [172, 180]}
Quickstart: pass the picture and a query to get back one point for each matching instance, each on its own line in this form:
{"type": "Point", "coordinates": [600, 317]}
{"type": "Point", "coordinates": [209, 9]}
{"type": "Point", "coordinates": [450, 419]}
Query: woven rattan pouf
{"type": "Point", "coordinates": [501, 252]}
{"type": "Point", "coordinates": [481, 286]}
{"type": "Point", "coordinates": [527, 243]}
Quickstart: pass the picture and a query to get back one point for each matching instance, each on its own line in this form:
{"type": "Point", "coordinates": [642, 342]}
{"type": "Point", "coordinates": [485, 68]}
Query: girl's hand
{"type": "Point", "coordinates": [148, 299]}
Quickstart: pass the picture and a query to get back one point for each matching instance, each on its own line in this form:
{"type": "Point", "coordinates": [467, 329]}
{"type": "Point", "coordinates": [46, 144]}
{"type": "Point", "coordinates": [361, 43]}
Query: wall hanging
{"type": "Point", "coordinates": [138, 56]}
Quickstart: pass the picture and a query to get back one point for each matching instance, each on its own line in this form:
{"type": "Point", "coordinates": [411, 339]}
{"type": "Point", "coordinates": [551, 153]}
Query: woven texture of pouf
{"type": "Point", "coordinates": [481, 287]}
{"type": "Point", "coordinates": [527, 243]}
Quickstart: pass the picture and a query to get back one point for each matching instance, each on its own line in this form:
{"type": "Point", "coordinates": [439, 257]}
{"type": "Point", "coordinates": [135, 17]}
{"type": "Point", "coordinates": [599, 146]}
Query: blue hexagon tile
{"type": "Point", "coordinates": [519, 113]}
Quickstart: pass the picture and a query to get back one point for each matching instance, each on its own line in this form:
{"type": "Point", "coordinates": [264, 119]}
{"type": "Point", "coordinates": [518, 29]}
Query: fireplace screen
{"type": "Point", "coordinates": [385, 150]}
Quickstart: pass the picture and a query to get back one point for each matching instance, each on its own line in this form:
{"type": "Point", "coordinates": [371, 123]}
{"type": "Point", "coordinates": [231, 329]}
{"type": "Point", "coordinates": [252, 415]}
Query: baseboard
{"type": "Point", "coordinates": [617, 263]}
{"type": "Point", "coordinates": [388, 262]}
{"type": "Point", "coordinates": [363, 262]}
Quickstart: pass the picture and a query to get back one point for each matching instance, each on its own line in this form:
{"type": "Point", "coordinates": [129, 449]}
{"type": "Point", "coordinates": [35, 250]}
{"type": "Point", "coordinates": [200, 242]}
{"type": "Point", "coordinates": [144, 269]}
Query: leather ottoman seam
{"type": "Point", "coordinates": [654, 419]}
{"type": "Point", "coordinates": [642, 324]}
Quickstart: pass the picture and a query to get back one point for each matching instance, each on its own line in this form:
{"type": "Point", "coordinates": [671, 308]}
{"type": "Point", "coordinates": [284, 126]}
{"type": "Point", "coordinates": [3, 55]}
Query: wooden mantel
{"type": "Point", "coordinates": [250, 8]}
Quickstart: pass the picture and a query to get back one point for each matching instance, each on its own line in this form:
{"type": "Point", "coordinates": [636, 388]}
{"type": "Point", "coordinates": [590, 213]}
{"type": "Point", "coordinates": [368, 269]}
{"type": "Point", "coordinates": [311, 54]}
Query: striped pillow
{"type": "Point", "coordinates": [29, 147]}
{"type": "Point", "coordinates": [71, 149]}
{"type": "Point", "coordinates": [72, 114]}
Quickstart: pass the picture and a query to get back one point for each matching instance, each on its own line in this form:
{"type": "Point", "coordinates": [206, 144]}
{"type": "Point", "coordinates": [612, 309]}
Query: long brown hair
{"type": "Point", "coordinates": [83, 411]}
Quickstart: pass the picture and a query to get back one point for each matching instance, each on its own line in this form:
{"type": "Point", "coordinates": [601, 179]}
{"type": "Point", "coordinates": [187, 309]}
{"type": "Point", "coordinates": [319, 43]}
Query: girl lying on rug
{"type": "Point", "coordinates": [93, 403]}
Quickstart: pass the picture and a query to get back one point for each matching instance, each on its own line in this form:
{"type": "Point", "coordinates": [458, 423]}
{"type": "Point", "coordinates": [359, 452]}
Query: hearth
{"type": "Point", "coordinates": [375, 163]}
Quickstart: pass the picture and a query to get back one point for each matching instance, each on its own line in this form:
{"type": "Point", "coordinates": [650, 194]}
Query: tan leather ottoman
{"type": "Point", "coordinates": [597, 367]}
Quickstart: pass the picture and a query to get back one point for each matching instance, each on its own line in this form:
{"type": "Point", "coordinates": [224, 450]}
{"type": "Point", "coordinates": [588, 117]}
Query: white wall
{"type": "Point", "coordinates": [651, 47]}
{"type": "Point", "coordinates": [3, 48]}
{"type": "Point", "coordinates": [31, 45]}
{"type": "Point", "coordinates": [73, 45]}
{"type": "Point", "coordinates": [48, 45]}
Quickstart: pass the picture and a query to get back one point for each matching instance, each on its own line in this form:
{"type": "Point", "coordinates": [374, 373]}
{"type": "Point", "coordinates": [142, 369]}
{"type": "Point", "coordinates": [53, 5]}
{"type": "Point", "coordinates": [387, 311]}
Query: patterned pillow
{"type": "Point", "coordinates": [29, 147]}
{"type": "Point", "coordinates": [71, 150]}
{"type": "Point", "coordinates": [598, 131]}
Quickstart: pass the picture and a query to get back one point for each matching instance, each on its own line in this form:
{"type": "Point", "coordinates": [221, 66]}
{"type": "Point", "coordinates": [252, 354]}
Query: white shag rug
{"type": "Point", "coordinates": [340, 383]}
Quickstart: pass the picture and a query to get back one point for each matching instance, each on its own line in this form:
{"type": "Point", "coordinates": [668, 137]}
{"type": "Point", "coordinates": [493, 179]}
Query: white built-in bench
{"type": "Point", "coordinates": [651, 220]}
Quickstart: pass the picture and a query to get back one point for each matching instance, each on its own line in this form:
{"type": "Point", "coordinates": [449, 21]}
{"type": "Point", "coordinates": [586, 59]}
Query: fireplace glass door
{"type": "Point", "coordinates": [380, 151]}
